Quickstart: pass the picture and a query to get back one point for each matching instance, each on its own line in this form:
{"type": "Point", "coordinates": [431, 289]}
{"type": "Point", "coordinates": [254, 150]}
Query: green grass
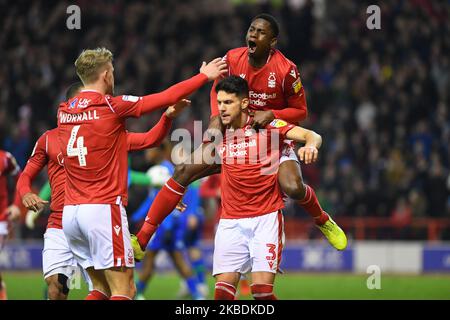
{"type": "Point", "coordinates": [30, 285]}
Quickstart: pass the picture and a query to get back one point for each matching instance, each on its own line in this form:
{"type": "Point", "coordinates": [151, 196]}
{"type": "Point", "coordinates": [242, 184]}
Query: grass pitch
{"type": "Point", "coordinates": [298, 286]}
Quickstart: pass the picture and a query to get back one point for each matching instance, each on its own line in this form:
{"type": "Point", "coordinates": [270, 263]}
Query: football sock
{"type": "Point", "coordinates": [119, 297]}
{"type": "Point", "coordinates": [3, 295]}
{"type": "Point", "coordinates": [192, 283]}
{"type": "Point", "coordinates": [224, 291]}
{"type": "Point", "coordinates": [199, 269]}
{"type": "Point", "coordinates": [140, 287]}
{"type": "Point", "coordinates": [263, 292]}
{"type": "Point", "coordinates": [96, 295]}
{"type": "Point", "coordinates": [312, 206]}
{"type": "Point", "coordinates": [165, 202]}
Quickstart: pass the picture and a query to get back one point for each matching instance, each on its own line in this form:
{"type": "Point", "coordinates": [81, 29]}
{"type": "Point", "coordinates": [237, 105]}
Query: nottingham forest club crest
{"type": "Point", "coordinates": [271, 80]}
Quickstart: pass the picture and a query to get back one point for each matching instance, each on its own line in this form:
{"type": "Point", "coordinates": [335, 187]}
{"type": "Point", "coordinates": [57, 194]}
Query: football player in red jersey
{"type": "Point", "coordinates": [249, 237]}
{"type": "Point", "coordinates": [8, 167]}
{"type": "Point", "coordinates": [276, 91]}
{"type": "Point", "coordinates": [59, 263]}
{"type": "Point", "coordinates": [93, 141]}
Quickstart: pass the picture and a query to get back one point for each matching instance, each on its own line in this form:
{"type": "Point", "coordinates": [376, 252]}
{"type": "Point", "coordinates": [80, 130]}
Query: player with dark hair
{"type": "Point", "coordinates": [275, 91]}
{"type": "Point", "coordinates": [249, 237]}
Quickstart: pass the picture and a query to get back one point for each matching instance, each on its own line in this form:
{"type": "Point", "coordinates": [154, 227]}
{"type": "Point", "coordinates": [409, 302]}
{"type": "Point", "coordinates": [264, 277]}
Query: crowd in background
{"type": "Point", "coordinates": [379, 98]}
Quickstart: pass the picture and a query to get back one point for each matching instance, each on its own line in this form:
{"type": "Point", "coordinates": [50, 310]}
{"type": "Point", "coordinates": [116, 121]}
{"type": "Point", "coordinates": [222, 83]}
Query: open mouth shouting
{"type": "Point", "coordinates": [251, 46]}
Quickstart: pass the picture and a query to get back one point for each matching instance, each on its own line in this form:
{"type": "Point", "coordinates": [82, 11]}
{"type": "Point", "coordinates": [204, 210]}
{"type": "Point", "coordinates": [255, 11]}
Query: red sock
{"type": "Point", "coordinates": [224, 291]}
{"type": "Point", "coordinates": [165, 202]}
{"type": "Point", "coordinates": [117, 297]}
{"type": "Point", "coordinates": [96, 295]}
{"type": "Point", "coordinates": [312, 206]}
{"type": "Point", "coordinates": [263, 292]}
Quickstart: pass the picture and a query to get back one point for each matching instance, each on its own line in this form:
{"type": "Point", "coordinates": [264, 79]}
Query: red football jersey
{"type": "Point", "coordinates": [46, 152]}
{"type": "Point", "coordinates": [92, 138]}
{"type": "Point", "coordinates": [8, 166]}
{"type": "Point", "coordinates": [276, 86]}
{"type": "Point", "coordinates": [250, 159]}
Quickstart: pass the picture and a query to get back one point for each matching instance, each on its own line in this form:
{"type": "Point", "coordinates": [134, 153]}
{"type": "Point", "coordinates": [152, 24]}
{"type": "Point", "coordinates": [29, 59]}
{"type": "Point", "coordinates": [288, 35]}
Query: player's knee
{"type": "Point", "coordinates": [294, 188]}
{"type": "Point", "coordinates": [182, 174]}
{"type": "Point", "coordinates": [55, 290]}
{"type": "Point", "coordinates": [133, 290]}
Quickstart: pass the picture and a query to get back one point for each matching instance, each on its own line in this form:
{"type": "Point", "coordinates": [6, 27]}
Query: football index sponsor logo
{"type": "Point", "coordinates": [260, 99]}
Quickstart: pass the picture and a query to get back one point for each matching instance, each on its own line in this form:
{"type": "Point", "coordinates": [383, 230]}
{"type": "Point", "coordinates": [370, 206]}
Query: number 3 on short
{"type": "Point", "coordinates": [80, 151]}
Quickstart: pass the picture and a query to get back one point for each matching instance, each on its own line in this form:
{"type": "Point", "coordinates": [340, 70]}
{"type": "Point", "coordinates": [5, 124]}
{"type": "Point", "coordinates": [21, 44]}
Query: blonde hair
{"type": "Point", "coordinates": [91, 62]}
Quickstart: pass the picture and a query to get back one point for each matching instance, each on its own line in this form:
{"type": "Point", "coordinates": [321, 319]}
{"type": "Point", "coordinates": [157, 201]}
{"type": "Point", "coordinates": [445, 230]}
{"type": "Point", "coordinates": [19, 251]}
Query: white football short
{"type": "Point", "coordinates": [3, 228]}
{"type": "Point", "coordinates": [249, 244]}
{"type": "Point", "coordinates": [288, 153]}
{"type": "Point", "coordinates": [98, 235]}
{"type": "Point", "coordinates": [3, 233]}
{"type": "Point", "coordinates": [57, 257]}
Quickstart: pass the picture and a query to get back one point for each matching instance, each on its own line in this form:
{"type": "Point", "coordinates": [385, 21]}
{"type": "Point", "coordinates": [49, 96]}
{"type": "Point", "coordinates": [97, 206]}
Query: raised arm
{"type": "Point", "coordinates": [131, 106]}
{"type": "Point", "coordinates": [154, 137]}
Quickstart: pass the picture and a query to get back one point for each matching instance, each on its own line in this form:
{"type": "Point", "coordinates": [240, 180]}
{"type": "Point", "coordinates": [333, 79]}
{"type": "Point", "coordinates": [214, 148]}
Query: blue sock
{"type": "Point", "coordinates": [192, 283]}
{"type": "Point", "coordinates": [140, 287]}
{"type": "Point", "coordinates": [199, 269]}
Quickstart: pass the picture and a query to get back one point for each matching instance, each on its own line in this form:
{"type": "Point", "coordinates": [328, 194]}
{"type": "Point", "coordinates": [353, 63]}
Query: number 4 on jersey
{"type": "Point", "coordinates": [80, 151]}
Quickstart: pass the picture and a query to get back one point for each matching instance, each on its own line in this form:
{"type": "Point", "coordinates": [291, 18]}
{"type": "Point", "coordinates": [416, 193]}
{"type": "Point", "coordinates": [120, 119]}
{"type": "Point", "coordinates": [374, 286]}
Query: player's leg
{"type": "Point", "coordinates": [231, 256]}
{"type": "Point", "coordinates": [101, 290]}
{"type": "Point", "coordinates": [291, 182]}
{"type": "Point", "coordinates": [172, 192]}
{"type": "Point", "coordinates": [120, 281]}
{"type": "Point", "coordinates": [57, 287]}
{"type": "Point", "coordinates": [120, 264]}
{"type": "Point", "coordinates": [192, 240]}
{"type": "Point", "coordinates": [202, 163]}
{"type": "Point", "coordinates": [3, 295]}
{"type": "Point", "coordinates": [185, 271]}
{"type": "Point", "coordinates": [58, 263]}
{"type": "Point", "coordinates": [3, 235]}
{"type": "Point", "coordinates": [262, 285]}
{"type": "Point", "coordinates": [225, 287]}
{"type": "Point", "coordinates": [146, 273]}
{"type": "Point", "coordinates": [105, 228]}
{"type": "Point", "coordinates": [198, 265]}
{"type": "Point", "coordinates": [266, 248]}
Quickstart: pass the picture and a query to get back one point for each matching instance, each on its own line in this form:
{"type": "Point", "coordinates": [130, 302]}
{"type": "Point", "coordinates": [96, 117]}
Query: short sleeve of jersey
{"type": "Point", "coordinates": [125, 106]}
{"type": "Point", "coordinates": [39, 156]}
{"type": "Point", "coordinates": [281, 126]}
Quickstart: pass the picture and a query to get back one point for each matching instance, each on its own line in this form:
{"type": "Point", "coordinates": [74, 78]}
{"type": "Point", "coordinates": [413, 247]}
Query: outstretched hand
{"type": "Point", "coordinates": [175, 110]}
{"type": "Point", "coordinates": [214, 69]}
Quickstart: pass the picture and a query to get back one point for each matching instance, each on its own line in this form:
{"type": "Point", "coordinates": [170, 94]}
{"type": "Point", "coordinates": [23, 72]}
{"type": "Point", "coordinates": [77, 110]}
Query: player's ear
{"type": "Point", "coordinates": [273, 42]}
{"type": "Point", "coordinates": [104, 75]}
{"type": "Point", "coordinates": [244, 103]}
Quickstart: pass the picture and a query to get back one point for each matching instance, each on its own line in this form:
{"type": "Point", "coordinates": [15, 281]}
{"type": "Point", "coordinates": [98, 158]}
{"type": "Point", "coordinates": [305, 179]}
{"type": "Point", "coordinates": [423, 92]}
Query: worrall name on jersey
{"type": "Point", "coordinates": [78, 117]}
